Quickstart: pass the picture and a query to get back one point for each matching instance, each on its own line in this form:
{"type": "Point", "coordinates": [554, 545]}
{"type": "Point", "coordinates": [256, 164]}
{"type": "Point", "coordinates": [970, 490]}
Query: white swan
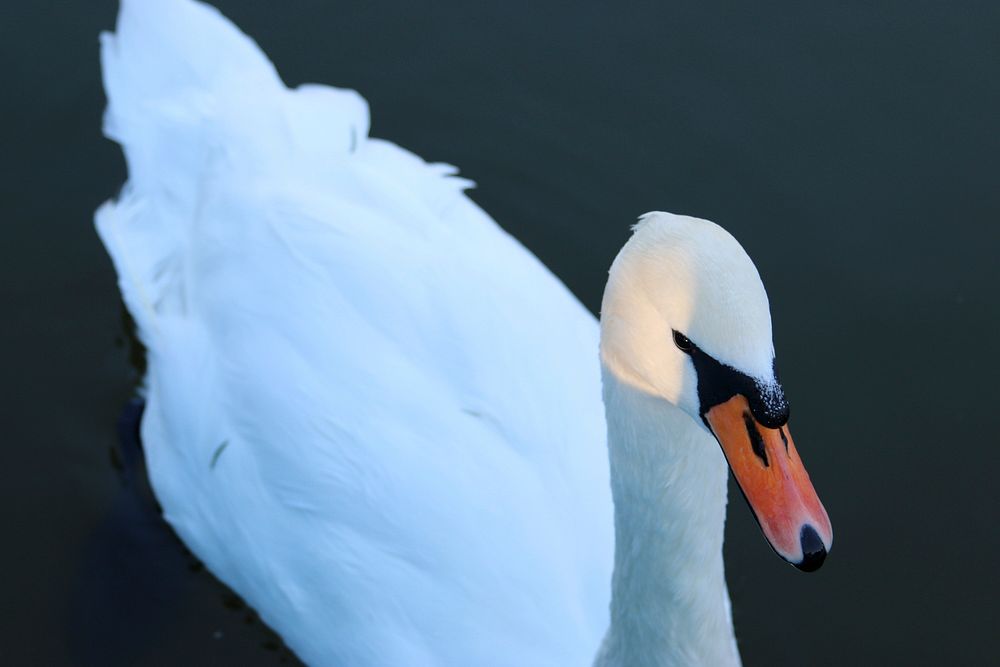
{"type": "Point", "coordinates": [379, 418]}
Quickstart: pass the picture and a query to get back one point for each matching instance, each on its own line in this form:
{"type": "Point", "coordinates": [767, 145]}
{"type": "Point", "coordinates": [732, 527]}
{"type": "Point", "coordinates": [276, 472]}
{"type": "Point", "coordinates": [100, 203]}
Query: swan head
{"type": "Point", "coordinates": [685, 318]}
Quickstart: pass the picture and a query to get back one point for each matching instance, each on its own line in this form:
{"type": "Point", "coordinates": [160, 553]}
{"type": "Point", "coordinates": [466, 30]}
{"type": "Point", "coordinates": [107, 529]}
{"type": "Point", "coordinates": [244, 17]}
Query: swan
{"type": "Point", "coordinates": [384, 423]}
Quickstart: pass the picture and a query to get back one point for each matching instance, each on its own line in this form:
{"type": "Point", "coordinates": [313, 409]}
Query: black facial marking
{"type": "Point", "coordinates": [756, 442]}
{"type": "Point", "coordinates": [717, 383]}
{"type": "Point", "coordinates": [784, 438]}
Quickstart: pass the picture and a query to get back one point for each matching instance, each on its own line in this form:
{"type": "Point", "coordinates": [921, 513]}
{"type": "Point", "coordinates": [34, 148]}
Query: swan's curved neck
{"type": "Point", "coordinates": [669, 601]}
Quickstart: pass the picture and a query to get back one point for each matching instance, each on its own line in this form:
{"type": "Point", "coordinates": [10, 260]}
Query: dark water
{"type": "Point", "coordinates": [852, 147]}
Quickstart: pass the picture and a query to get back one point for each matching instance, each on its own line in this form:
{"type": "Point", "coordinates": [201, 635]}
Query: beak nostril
{"type": "Point", "coordinates": [813, 550]}
{"type": "Point", "coordinates": [756, 441]}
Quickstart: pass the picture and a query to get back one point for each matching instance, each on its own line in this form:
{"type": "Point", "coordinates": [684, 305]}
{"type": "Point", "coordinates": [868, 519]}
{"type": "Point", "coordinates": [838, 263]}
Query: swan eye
{"type": "Point", "coordinates": [682, 342]}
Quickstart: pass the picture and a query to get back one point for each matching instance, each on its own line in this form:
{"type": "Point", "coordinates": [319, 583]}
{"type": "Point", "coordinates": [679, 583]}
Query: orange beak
{"type": "Point", "coordinates": [770, 473]}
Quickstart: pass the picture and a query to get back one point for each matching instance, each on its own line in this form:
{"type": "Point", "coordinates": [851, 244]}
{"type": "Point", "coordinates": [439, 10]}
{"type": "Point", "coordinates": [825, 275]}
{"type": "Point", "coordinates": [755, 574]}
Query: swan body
{"type": "Point", "coordinates": [370, 412]}
{"type": "Point", "coordinates": [375, 415]}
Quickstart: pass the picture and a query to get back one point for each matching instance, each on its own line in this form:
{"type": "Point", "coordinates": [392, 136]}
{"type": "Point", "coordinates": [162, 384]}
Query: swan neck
{"type": "Point", "coordinates": [669, 605]}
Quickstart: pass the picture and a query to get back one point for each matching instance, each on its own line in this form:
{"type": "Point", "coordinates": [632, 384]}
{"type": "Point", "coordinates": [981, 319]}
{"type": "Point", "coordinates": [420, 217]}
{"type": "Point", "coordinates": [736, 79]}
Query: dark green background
{"type": "Point", "coordinates": [852, 147]}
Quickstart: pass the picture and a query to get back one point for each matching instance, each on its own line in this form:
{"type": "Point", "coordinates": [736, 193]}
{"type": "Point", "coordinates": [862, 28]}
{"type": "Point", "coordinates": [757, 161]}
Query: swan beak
{"type": "Point", "coordinates": [774, 482]}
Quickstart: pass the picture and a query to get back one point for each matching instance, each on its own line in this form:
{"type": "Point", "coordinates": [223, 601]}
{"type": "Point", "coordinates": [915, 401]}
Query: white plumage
{"type": "Point", "coordinates": [401, 403]}
{"type": "Point", "coordinates": [379, 418]}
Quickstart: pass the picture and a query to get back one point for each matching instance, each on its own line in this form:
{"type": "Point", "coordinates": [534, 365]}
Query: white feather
{"type": "Point", "coordinates": [374, 414]}
{"type": "Point", "coordinates": [414, 469]}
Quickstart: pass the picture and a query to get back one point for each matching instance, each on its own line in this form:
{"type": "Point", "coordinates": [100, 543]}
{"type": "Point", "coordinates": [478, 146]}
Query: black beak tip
{"type": "Point", "coordinates": [813, 551]}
